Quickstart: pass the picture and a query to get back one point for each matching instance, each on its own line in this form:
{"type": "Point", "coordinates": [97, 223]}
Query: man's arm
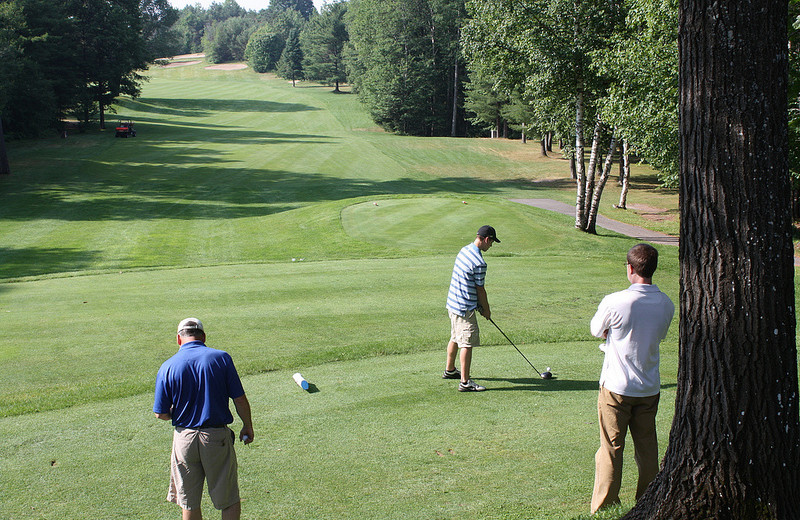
{"type": "Point", "coordinates": [483, 302]}
{"type": "Point", "coordinates": [600, 323]}
{"type": "Point", "coordinates": [164, 416]}
{"type": "Point", "coordinates": [243, 410]}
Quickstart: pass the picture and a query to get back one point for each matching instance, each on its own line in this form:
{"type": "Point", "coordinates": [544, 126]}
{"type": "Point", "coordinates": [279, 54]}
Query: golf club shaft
{"type": "Point", "coordinates": [512, 344]}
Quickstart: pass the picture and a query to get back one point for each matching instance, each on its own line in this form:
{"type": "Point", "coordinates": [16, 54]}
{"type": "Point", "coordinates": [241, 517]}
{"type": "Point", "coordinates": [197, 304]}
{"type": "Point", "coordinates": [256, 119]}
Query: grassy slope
{"type": "Point", "coordinates": [106, 243]}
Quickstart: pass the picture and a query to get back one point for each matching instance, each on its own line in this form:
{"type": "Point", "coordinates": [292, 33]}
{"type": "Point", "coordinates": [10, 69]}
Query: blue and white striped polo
{"type": "Point", "coordinates": [469, 272]}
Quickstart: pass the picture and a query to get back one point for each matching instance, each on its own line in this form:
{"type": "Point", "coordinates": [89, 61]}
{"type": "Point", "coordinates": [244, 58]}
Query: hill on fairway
{"type": "Point", "coordinates": [306, 240]}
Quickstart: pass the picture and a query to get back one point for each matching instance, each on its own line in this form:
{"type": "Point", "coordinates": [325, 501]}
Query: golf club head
{"type": "Point", "coordinates": [547, 375]}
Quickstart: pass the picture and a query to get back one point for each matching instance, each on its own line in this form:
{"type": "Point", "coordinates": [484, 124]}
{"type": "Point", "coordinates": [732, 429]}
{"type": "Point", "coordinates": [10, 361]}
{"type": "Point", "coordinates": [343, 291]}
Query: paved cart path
{"type": "Point", "coordinates": [639, 233]}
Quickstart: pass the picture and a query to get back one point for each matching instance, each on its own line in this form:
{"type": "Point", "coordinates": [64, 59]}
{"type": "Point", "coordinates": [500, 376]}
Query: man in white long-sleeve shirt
{"type": "Point", "coordinates": [633, 322]}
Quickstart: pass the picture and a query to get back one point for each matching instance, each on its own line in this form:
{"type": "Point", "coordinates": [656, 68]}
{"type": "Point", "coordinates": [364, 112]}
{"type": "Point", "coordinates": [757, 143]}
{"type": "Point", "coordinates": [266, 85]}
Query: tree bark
{"type": "Point", "coordinates": [591, 220]}
{"type": "Point", "coordinates": [5, 168]}
{"type": "Point", "coordinates": [734, 445]}
{"type": "Point", "coordinates": [590, 174]}
{"type": "Point", "coordinates": [580, 166]}
{"type": "Point", "coordinates": [453, 126]}
{"type": "Point", "coordinates": [625, 175]}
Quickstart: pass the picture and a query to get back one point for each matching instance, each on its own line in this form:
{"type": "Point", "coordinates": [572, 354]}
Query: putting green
{"type": "Point", "coordinates": [438, 224]}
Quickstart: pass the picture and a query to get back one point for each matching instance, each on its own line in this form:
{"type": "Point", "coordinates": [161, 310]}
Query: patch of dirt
{"type": "Point", "coordinates": [227, 66]}
{"type": "Point", "coordinates": [189, 56]}
{"type": "Point", "coordinates": [180, 64]}
{"type": "Point", "coordinates": [653, 213]}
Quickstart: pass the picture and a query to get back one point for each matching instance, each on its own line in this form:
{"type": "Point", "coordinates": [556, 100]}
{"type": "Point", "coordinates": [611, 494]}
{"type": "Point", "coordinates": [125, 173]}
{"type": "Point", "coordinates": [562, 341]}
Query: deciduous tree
{"type": "Point", "coordinates": [264, 49]}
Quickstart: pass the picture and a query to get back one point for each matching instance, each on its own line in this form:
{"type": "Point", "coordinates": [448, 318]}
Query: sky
{"type": "Point", "coordinates": [250, 5]}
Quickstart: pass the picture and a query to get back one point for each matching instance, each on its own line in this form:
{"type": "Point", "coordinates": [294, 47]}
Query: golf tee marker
{"type": "Point", "coordinates": [300, 380]}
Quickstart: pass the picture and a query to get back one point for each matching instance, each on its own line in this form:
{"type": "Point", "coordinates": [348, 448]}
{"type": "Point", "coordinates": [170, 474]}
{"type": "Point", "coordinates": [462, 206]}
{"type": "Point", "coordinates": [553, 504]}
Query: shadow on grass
{"type": "Point", "coordinates": [555, 384]}
{"type": "Point", "coordinates": [536, 383]}
{"type": "Point", "coordinates": [89, 190]}
{"type": "Point", "coordinates": [206, 107]}
{"type": "Point", "coordinates": [33, 261]}
{"type": "Point", "coordinates": [160, 133]}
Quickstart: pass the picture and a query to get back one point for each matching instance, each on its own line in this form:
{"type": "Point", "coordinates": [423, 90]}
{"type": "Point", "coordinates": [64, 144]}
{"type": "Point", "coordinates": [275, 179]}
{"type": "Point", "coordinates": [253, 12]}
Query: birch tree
{"type": "Point", "coordinates": [543, 48]}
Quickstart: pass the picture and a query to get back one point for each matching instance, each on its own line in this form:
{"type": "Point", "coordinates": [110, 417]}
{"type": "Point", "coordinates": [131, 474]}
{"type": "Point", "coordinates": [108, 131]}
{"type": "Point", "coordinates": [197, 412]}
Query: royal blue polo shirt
{"type": "Point", "coordinates": [196, 383]}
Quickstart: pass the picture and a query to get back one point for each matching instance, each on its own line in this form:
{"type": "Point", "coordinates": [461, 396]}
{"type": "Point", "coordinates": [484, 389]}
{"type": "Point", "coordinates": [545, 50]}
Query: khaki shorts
{"type": "Point", "coordinates": [464, 329]}
{"type": "Point", "coordinates": [199, 455]}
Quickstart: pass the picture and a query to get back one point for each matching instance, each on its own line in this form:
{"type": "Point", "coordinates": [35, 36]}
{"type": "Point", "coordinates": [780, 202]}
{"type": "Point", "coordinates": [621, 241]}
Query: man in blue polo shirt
{"type": "Point", "coordinates": [192, 390]}
{"type": "Point", "coordinates": [467, 295]}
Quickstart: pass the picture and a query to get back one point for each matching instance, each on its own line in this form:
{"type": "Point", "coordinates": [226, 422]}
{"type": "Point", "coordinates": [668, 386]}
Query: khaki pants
{"type": "Point", "coordinates": [203, 455]}
{"type": "Point", "coordinates": [616, 414]}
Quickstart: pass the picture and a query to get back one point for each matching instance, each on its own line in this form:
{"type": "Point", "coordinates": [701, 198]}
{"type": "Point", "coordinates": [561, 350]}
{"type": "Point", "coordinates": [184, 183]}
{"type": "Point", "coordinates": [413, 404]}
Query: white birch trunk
{"type": "Point", "coordinates": [591, 172]}
{"type": "Point", "coordinates": [625, 168]}
{"type": "Point", "coordinates": [591, 221]}
{"type": "Point", "coordinates": [580, 167]}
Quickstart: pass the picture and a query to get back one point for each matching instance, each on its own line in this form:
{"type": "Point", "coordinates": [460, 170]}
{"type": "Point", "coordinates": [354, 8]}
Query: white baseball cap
{"type": "Point", "coordinates": [190, 324]}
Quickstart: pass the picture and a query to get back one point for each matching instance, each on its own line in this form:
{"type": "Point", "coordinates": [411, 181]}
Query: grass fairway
{"type": "Point", "coordinates": [306, 240]}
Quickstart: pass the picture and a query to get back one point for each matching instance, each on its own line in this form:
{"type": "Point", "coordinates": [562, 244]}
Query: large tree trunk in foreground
{"type": "Point", "coordinates": [733, 448]}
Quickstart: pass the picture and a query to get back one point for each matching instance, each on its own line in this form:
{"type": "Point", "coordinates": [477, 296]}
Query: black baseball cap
{"type": "Point", "coordinates": [488, 231]}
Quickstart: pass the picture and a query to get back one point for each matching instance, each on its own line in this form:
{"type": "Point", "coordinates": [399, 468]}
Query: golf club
{"type": "Point", "coordinates": [543, 375]}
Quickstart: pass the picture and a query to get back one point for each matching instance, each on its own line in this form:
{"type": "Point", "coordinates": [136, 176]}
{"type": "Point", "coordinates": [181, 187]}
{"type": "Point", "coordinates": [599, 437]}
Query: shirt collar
{"type": "Point", "coordinates": [193, 344]}
{"type": "Point", "coordinates": [644, 287]}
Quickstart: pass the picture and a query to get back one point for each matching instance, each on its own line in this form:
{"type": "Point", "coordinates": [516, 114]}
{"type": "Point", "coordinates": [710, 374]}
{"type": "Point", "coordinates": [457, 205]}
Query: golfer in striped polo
{"type": "Point", "coordinates": [466, 296]}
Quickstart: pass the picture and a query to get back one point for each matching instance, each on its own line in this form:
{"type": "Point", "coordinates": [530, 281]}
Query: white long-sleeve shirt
{"type": "Point", "coordinates": [637, 319]}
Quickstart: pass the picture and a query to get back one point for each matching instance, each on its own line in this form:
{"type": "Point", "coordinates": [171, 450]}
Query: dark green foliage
{"type": "Point", "coordinates": [190, 28]}
{"type": "Point", "coordinates": [642, 67]}
{"type": "Point", "coordinates": [228, 9]}
{"type": "Point", "coordinates": [323, 41]}
{"type": "Point", "coordinates": [38, 79]}
{"type": "Point", "coordinates": [403, 61]}
{"type": "Point", "coordinates": [484, 103]}
{"type": "Point", "coordinates": [227, 40]}
{"type": "Point", "coordinates": [304, 7]}
{"type": "Point", "coordinates": [158, 18]}
{"type": "Point", "coordinates": [290, 64]}
{"type": "Point", "coordinates": [263, 49]}
{"type": "Point", "coordinates": [111, 50]}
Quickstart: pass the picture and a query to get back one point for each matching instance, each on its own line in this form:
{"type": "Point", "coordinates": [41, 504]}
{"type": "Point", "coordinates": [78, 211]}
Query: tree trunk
{"type": "Point", "coordinates": [624, 174]}
{"type": "Point", "coordinates": [573, 169]}
{"type": "Point", "coordinates": [453, 123]}
{"type": "Point", "coordinates": [590, 173]}
{"type": "Point", "coordinates": [733, 450]}
{"type": "Point", "coordinates": [543, 142]}
{"type": "Point", "coordinates": [591, 220]}
{"type": "Point", "coordinates": [5, 168]}
{"type": "Point", "coordinates": [580, 167]}
{"type": "Point", "coordinates": [100, 107]}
